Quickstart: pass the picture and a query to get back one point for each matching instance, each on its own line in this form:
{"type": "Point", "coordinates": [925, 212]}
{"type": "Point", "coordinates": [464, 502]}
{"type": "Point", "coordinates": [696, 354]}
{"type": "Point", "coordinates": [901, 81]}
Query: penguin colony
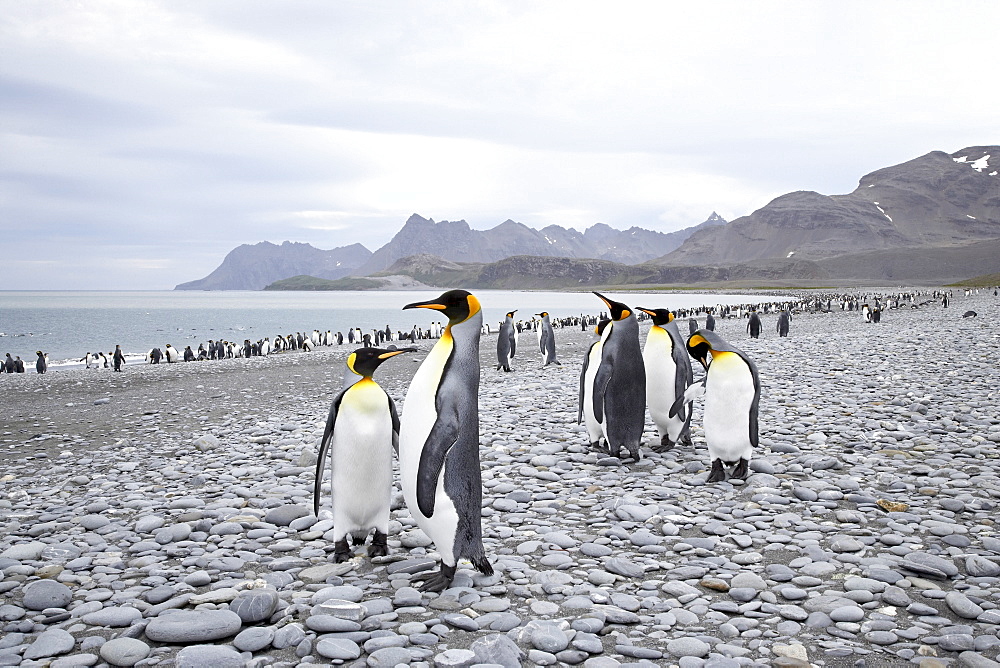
{"type": "Point", "coordinates": [437, 438]}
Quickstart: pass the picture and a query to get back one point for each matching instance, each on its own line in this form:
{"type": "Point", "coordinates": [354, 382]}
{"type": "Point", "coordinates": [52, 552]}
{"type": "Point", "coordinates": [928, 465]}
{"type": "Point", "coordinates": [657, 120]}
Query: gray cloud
{"type": "Point", "coordinates": [139, 143]}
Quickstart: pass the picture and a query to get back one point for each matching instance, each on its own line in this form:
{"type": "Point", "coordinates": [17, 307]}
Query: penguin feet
{"type": "Point", "coordinates": [380, 546]}
{"type": "Point", "coordinates": [341, 552]}
{"type": "Point", "coordinates": [685, 440]}
{"type": "Point", "coordinates": [718, 474]}
{"type": "Point", "coordinates": [741, 471]}
{"type": "Point", "coordinates": [437, 581]}
{"type": "Point", "coordinates": [665, 442]}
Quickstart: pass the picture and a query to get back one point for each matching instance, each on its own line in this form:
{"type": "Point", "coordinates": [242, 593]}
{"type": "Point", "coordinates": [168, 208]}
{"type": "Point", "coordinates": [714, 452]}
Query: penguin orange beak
{"type": "Point", "coordinates": [604, 299]}
{"type": "Point", "coordinates": [427, 304]}
{"type": "Point", "coordinates": [393, 353]}
{"type": "Point", "coordinates": [646, 311]}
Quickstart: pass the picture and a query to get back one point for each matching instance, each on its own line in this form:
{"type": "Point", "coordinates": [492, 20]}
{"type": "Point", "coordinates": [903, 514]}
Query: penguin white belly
{"type": "Point", "coordinates": [661, 372]}
{"type": "Point", "coordinates": [594, 430]}
{"type": "Point", "coordinates": [729, 395]}
{"type": "Point", "coordinates": [361, 458]}
{"type": "Point", "coordinates": [419, 417]}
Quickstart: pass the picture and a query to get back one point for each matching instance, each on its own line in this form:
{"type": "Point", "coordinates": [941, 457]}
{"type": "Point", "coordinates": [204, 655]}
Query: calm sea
{"type": "Point", "coordinates": [66, 325]}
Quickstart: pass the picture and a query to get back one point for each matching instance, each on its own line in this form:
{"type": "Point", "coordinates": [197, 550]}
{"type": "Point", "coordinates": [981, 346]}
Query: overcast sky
{"type": "Point", "coordinates": [142, 141]}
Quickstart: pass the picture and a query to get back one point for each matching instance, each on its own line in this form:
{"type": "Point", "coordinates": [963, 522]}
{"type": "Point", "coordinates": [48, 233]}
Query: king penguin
{"type": "Point", "coordinates": [668, 375]}
{"type": "Point", "coordinates": [753, 325]}
{"type": "Point", "coordinates": [619, 389]}
{"type": "Point", "coordinates": [784, 318]}
{"type": "Point", "coordinates": [362, 430]}
{"type": "Point", "coordinates": [41, 364]}
{"type": "Point", "coordinates": [732, 393]}
{"type": "Point", "coordinates": [546, 340]}
{"type": "Point", "coordinates": [439, 440]}
{"type": "Point", "coordinates": [506, 343]}
{"type": "Point", "coordinates": [591, 361]}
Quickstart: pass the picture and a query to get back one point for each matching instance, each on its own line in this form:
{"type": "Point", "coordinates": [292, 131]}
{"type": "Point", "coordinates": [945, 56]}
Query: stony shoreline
{"type": "Point", "coordinates": [161, 516]}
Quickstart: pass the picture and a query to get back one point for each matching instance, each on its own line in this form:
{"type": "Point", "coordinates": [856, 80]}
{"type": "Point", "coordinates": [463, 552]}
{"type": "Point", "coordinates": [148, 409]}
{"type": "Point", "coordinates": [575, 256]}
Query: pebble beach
{"type": "Point", "coordinates": [163, 516]}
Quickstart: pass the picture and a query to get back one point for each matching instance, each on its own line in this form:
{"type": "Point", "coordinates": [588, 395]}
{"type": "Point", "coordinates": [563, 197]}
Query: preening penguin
{"type": "Point", "coordinates": [619, 388]}
{"type": "Point", "coordinates": [360, 436]}
{"type": "Point", "coordinates": [591, 361]}
{"type": "Point", "coordinates": [439, 440]}
{"type": "Point", "coordinates": [506, 343]}
{"type": "Point", "coordinates": [547, 340]}
{"type": "Point", "coordinates": [732, 393]}
{"type": "Point", "coordinates": [668, 375]}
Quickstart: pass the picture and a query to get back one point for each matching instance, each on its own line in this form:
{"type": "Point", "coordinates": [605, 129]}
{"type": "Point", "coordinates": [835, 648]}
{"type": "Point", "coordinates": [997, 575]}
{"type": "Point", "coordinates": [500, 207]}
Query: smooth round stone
{"type": "Point", "coordinates": [624, 567]}
{"type": "Point", "coordinates": [680, 647]}
{"type": "Point", "coordinates": [24, 551]}
{"type": "Point", "coordinates": [92, 522]}
{"type": "Point", "coordinates": [341, 592]}
{"type": "Point", "coordinates": [331, 624]}
{"type": "Point", "coordinates": [282, 516]}
{"type": "Point", "coordinates": [51, 642]}
{"type": "Point", "coordinates": [981, 567]}
{"type": "Point", "coordinates": [881, 637]}
{"type": "Point", "coordinates": [338, 648]}
{"type": "Point", "coordinates": [455, 658]}
{"type": "Point", "coordinates": [209, 656]}
{"type": "Point", "coordinates": [190, 626]}
{"type": "Point", "coordinates": [253, 639]}
{"type": "Point", "coordinates": [846, 544]}
{"type": "Point", "coordinates": [544, 608]}
{"type": "Point", "coordinates": [929, 564]}
{"type": "Point", "coordinates": [255, 605]}
{"type": "Point", "coordinates": [957, 642]}
{"type": "Point", "coordinates": [595, 550]}
{"type": "Point", "coordinates": [748, 580]}
{"type": "Point", "coordinates": [113, 617]}
{"type": "Point", "coordinates": [549, 638]}
{"type": "Point", "coordinates": [387, 657]}
{"type": "Point", "coordinates": [793, 593]}
{"type": "Point", "coordinates": [124, 651]}
{"type": "Point", "coordinates": [42, 594]}
{"type": "Point", "coordinates": [198, 579]}
{"type": "Point", "coordinates": [848, 613]}
{"type": "Point", "coordinates": [743, 594]}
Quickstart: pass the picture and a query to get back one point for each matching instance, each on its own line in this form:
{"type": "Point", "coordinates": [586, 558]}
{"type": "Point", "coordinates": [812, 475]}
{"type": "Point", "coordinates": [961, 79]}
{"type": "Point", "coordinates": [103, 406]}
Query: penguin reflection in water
{"type": "Point", "coordinates": [360, 436]}
{"type": "Point", "coordinates": [439, 441]}
{"type": "Point", "coordinates": [731, 388]}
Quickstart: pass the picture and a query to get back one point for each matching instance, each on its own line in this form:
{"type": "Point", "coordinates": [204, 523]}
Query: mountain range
{"type": "Point", "coordinates": [932, 219]}
{"type": "Point", "coordinates": [255, 266]}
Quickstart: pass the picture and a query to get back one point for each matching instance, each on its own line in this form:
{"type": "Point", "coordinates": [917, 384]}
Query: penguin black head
{"type": "Point", "coordinates": [542, 314]}
{"type": "Point", "coordinates": [601, 326]}
{"type": "Point", "coordinates": [364, 361]}
{"type": "Point", "coordinates": [618, 310]}
{"type": "Point", "coordinates": [705, 341]}
{"type": "Point", "coordinates": [661, 316]}
{"type": "Point", "coordinates": [458, 305]}
{"type": "Point", "coordinates": [510, 314]}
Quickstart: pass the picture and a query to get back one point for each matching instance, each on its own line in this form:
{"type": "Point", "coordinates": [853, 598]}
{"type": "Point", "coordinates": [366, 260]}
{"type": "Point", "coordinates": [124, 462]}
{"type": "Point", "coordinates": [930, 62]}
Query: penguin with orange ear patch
{"type": "Point", "coordinates": [360, 436]}
{"type": "Point", "coordinates": [439, 441]}
{"type": "Point", "coordinates": [619, 388]}
{"type": "Point", "coordinates": [732, 395]}
{"type": "Point", "coordinates": [668, 375]}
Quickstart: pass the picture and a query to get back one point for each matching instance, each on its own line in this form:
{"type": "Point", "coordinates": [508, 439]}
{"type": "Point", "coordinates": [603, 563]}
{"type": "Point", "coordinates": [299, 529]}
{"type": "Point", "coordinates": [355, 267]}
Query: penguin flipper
{"type": "Point", "coordinates": [693, 392]}
{"type": "Point", "coordinates": [442, 438]}
{"type": "Point", "coordinates": [583, 379]}
{"type": "Point", "coordinates": [324, 448]}
{"type": "Point", "coordinates": [601, 381]}
{"type": "Point", "coordinates": [394, 414]}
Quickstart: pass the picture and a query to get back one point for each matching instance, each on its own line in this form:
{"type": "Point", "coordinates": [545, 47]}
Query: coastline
{"type": "Point", "coordinates": [644, 559]}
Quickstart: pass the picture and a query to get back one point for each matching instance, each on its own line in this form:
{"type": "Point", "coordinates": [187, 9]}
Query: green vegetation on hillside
{"type": "Point", "coordinates": [306, 283]}
{"type": "Point", "coordinates": [984, 281]}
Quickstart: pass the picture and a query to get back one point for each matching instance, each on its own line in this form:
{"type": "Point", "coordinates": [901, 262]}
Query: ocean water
{"type": "Point", "coordinates": [66, 325]}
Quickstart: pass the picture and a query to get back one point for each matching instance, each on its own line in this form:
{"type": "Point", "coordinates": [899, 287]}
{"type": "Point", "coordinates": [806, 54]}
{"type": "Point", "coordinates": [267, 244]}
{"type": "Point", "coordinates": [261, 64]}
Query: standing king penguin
{"type": "Point", "coordinates": [668, 375]}
{"type": "Point", "coordinates": [619, 388]}
{"type": "Point", "coordinates": [361, 433]}
{"type": "Point", "coordinates": [547, 340]}
{"type": "Point", "coordinates": [732, 394]}
{"type": "Point", "coordinates": [591, 361]}
{"type": "Point", "coordinates": [753, 325]}
{"type": "Point", "coordinates": [506, 343]}
{"type": "Point", "coordinates": [784, 318]}
{"type": "Point", "coordinates": [439, 440]}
